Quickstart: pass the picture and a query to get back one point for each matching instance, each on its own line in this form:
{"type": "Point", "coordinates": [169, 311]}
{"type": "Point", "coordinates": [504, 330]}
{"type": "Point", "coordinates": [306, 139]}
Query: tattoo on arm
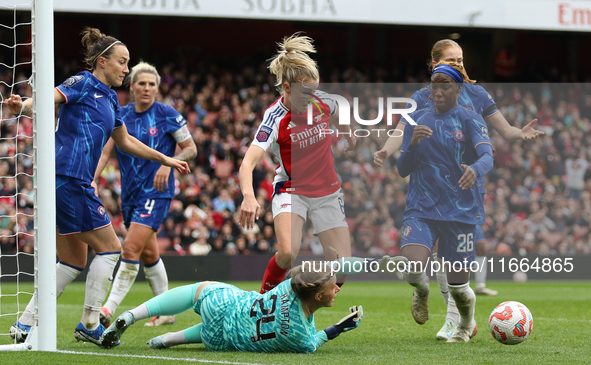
{"type": "Point", "coordinates": [186, 155]}
{"type": "Point", "coordinates": [27, 111]}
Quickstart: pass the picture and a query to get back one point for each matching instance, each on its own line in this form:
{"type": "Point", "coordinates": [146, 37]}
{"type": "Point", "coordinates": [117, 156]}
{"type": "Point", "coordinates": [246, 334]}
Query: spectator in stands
{"type": "Point", "coordinates": [250, 89]}
{"type": "Point", "coordinates": [223, 202]}
{"type": "Point", "coordinates": [575, 177]}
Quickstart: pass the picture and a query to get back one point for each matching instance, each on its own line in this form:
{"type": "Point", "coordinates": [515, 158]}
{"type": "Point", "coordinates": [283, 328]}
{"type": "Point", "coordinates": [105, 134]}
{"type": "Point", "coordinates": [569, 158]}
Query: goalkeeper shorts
{"type": "Point", "coordinates": [211, 306]}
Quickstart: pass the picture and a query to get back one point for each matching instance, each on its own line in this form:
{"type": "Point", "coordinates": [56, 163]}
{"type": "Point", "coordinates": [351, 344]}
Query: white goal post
{"type": "Point", "coordinates": [43, 335]}
{"type": "Point", "coordinates": [44, 140]}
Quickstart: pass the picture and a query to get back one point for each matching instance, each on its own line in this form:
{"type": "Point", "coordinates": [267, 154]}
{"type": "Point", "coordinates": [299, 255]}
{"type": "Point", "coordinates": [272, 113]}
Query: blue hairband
{"type": "Point", "coordinates": [448, 70]}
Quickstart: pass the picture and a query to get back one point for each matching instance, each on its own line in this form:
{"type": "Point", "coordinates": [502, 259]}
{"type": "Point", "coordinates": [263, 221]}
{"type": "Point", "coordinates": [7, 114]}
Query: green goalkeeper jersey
{"type": "Point", "coordinates": [271, 322]}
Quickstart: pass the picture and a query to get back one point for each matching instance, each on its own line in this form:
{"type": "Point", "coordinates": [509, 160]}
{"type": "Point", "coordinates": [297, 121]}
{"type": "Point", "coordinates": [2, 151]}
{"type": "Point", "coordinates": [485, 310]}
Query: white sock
{"type": "Point", "coordinates": [174, 338]}
{"type": "Point", "coordinates": [156, 277]}
{"type": "Point", "coordinates": [65, 274]}
{"type": "Point", "coordinates": [419, 281]}
{"type": "Point", "coordinates": [480, 275]}
{"type": "Point", "coordinates": [140, 312]}
{"type": "Point", "coordinates": [123, 281]}
{"type": "Point", "coordinates": [98, 283]}
{"type": "Point", "coordinates": [441, 276]}
{"type": "Point", "coordinates": [452, 310]}
{"type": "Point", "coordinates": [465, 301]}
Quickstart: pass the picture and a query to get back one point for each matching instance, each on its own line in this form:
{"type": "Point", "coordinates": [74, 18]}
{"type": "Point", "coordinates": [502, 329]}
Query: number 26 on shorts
{"type": "Point", "coordinates": [465, 242]}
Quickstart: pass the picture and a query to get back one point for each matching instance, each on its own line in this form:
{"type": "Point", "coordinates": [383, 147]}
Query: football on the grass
{"type": "Point", "coordinates": [510, 323]}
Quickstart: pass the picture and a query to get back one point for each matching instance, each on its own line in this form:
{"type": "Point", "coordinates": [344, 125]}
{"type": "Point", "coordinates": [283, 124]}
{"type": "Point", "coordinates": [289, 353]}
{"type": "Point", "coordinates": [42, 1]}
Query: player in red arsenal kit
{"type": "Point", "coordinates": [306, 184]}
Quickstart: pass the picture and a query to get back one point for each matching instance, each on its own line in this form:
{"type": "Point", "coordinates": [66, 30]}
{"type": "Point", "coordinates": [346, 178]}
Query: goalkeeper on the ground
{"type": "Point", "coordinates": [281, 320]}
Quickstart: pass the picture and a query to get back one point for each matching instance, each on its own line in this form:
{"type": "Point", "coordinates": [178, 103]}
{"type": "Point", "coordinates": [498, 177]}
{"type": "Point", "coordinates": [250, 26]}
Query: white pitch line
{"type": "Point", "coordinates": [186, 359]}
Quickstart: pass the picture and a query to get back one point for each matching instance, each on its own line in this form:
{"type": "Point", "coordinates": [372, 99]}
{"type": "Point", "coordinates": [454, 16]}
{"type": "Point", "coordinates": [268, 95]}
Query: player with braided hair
{"type": "Point", "coordinates": [473, 97]}
{"type": "Point", "coordinates": [444, 154]}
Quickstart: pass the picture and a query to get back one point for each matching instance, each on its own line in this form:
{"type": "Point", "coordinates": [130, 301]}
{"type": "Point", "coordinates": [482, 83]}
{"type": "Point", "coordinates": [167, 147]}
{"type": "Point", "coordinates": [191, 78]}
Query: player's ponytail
{"type": "Point", "coordinates": [143, 68]}
{"type": "Point", "coordinates": [459, 68]}
{"type": "Point", "coordinates": [293, 63]}
{"type": "Point", "coordinates": [96, 44]}
{"type": "Point", "coordinates": [306, 281]}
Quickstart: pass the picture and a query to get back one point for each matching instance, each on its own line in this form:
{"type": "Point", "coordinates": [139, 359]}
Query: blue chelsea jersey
{"type": "Point", "coordinates": [154, 128]}
{"type": "Point", "coordinates": [472, 97]}
{"type": "Point", "coordinates": [85, 123]}
{"type": "Point", "coordinates": [434, 191]}
{"type": "Point", "coordinates": [271, 322]}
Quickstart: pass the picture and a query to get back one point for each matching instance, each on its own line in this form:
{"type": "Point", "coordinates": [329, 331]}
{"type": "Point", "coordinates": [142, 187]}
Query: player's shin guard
{"type": "Point", "coordinates": [465, 301]}
{"type": "Point", "coordinates": [172, 302]}
{"type": "Point", "coordinates": [273, 276]}
{"type": "Point", "coordinates": [124, 279]}
{"type": "Point", "coordinates": [480, 275]}
{"type": "Point", "coordinates": [420, 298]}
{"type": "Point", "coordinates": [156, 277]}
{"type": "Point", "coordinates": [65, 274]}
{"type": "Point", "coordinates": [441, 276]}
{"type": "Point", "coordinates": [419, 281]}
{"type": "Point", "coordinates": [98, 282]}
{"type": "Point", "coordinates": [452, 310]}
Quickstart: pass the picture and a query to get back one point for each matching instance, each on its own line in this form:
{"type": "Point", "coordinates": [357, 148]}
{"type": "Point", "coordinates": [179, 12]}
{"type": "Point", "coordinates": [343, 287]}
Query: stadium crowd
{"type": "Point", "coordinates": [538, 195]}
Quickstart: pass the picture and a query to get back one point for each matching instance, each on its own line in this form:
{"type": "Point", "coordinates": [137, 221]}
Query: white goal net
{"type": "Point", "coordinates": [27, 178]}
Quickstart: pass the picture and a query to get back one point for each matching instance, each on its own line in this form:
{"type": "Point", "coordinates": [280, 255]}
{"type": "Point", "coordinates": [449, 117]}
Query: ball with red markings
{"type": "Point", "coordinates": [510, 323]}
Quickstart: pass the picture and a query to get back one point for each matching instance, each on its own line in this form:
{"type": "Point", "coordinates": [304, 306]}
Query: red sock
{"type": "Point", "coordinates": [273, 276]}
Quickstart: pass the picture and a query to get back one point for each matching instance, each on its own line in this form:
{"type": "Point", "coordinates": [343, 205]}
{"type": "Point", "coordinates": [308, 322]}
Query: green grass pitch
{"type": "Point", "coordinates": [387, 334]}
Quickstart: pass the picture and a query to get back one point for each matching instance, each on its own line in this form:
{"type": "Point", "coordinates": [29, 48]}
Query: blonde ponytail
{"type": "Point", "coordinates": [292, 63]}
{"type": "Point", "coordinates": [306, 283]}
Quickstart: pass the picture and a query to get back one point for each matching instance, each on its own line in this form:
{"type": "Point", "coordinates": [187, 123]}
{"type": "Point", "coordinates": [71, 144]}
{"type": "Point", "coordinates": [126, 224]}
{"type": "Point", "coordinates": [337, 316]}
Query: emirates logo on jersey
{"type": "Point", "coordinates": [459, 136]}
{"type": "Point", "coordinates": [315, 131]}
{"type": "Point", "coordinates": [153, 131]}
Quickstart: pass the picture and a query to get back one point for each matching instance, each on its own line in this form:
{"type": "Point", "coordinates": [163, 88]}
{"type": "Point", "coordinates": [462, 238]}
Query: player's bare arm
{"type": "Point", "coordinates": [102, 163]}
{"type": "Point", "coordinates": [511, 133]}
{"type": "Point", "coordinates": [345, 131]}
{"type": "Point", "coordinates": [469, 177]}
{"type": "Point", "coordinates": [420, 132]}
{"type": "Point", "coordinates": [131, 145]}
{"type": "Point", "coordinates": [187, 153]}
{"type": "Point", "coordinates": [17, 106]}
{"type": "Point", "coordinates": [393, 144]}
{"type": "Point", "coordinates": [250, 208]}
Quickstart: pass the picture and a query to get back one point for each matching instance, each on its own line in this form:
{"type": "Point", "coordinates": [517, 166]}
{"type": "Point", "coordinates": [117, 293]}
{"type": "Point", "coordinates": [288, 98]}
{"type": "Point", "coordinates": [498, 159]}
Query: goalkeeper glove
{"type": "Point", "coordinates": [351, 321]}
